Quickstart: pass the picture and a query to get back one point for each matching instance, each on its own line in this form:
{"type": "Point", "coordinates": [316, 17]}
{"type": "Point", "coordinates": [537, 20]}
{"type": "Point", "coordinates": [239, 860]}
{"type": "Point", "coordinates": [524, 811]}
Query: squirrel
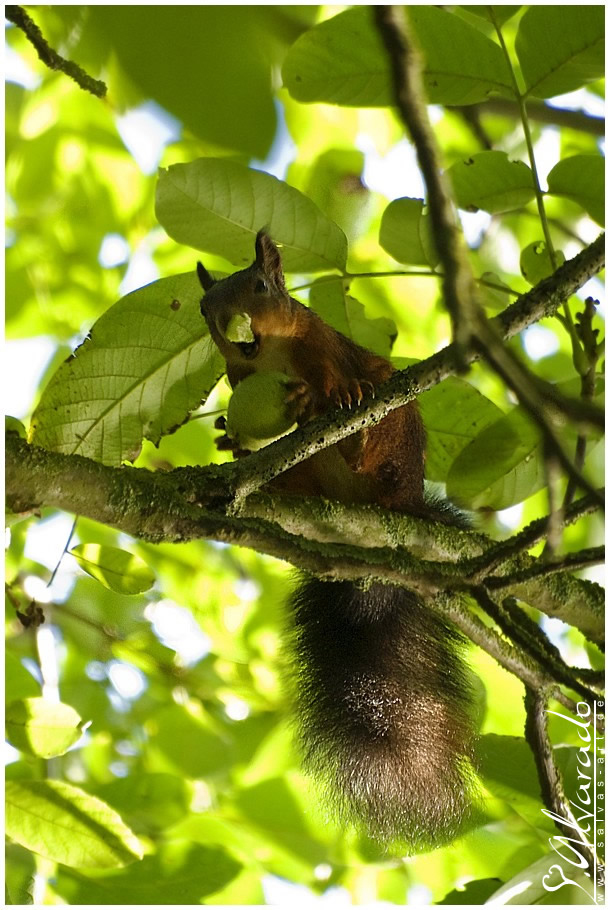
{"type": "Point", "coordinates": [382, 692]}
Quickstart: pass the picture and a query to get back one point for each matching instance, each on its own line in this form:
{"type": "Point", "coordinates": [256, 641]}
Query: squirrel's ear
{"type": "Point", "coordinates": [268, 257]}
{"type": "Point", "coordinates": [205, 279]}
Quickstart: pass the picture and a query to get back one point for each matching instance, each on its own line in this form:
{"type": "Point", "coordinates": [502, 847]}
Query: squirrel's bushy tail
{"type": "Point", "coordinates": [383, 709]}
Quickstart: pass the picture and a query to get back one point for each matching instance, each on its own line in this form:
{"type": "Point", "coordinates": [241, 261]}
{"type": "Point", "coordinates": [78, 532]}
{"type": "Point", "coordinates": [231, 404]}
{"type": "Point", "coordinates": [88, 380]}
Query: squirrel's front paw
{"type": "Point", "coordinates": [226, 443]}
{"type": "Point", "coordinates": [351, 392]}
{"type": "Point", "coordinates": [299, 400]}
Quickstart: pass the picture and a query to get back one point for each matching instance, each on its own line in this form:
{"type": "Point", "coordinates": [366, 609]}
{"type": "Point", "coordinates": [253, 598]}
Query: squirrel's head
{"type": "Point", "coordinates": [234, 307]}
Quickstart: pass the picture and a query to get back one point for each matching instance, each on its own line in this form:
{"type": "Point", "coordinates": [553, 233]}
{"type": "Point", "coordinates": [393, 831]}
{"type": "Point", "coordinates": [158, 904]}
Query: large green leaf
{"type": "Point", "coordinates": [204, 64]}
{"type": "Point", "coordinates": [405, 233]}
{"type": "Point", "coordinates": [18, 682]}
{"type": "Point", "coordinates": [582, 179]}
{"type": "Point", "coordinates": [147, 363]}
{"type": "Point", "coordinates": [342, 60]}
{"type": "Point", "coordinates": [560, 48]}
{"type": "Point", "coordinates": [65, 824]}
{"type": "Point", "coordinates": [218, 205]}
{"type": "Point", "coordinates": [330, 300]}
{"type": "Point", "coordinates": [500, 467]}
{"type": "Point", "coordinates": [177, 873]}
{"type": "Point", "coordinates": [114, 568]}
{"type": "Point", "coordinates": [41, 727]}
{"type": "Point", "coordinates": [491, 181]}
{"type": "Point", "coordinates": [454, 413]}
{"type": "Point", "coordinates": [149, 800]}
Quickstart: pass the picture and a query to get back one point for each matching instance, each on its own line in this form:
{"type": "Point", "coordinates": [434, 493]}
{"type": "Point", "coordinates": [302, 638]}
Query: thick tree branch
{"type": "Point", "coordinates": [154, 507]}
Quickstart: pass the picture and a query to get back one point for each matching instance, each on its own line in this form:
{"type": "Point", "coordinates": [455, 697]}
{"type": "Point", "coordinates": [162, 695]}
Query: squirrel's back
{"type": "Point", "coordinates": [381, 690]}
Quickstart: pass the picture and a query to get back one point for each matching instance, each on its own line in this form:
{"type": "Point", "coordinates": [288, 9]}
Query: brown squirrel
{"type": "Point", "coordinates": [381, 690]}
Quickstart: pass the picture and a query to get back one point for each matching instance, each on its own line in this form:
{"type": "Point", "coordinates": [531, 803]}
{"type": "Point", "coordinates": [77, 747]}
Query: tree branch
{"type": "Point", "coordinates": [459, 289]}
{"type": "Point", "coordinates": [543, 113]}
{"type": "Point", "coordinates": [155, 507]}
{"type": "Point", "coordinates": [18, 16]}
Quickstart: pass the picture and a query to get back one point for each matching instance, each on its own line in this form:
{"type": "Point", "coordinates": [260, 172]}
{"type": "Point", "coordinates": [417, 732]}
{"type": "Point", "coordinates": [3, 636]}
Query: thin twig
{"type": "Point", "coordinates": [18, 16]}
{"type": "Point", "coordinates": [514, 660]}
{"type": "Point", "coordinates": [525, 633]}
{"type": "Point", "coordinates": [480, 566]}
{"type": "Point", "coordinates": [572, 562]}
{"type": "Point", "coordinates": [545, 113]}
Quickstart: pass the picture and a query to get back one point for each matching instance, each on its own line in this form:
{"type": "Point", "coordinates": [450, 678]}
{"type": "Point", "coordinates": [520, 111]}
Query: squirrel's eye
{"type": "Point", "coordinates": [260, 287]}
{"type": "Point", "coordinates": [249, 348]}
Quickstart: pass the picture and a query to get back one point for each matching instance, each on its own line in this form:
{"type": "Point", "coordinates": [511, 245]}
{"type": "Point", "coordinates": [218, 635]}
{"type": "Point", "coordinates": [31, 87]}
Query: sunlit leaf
{"type": "Point", "coordinates": [536, 263]}
{"type": "Point", "coordinates": [560, 48]}
{"type": "Point", "coordinates": [405, 233]}
{"type": "Point", "coordinates": [18, 682]}
{"type": "Point", "coordinates": [493, 292]}
{"type": "Point", "coordinates": [454, 413]}
{"type": "Point", "coordinates": [347, 315]}
{"type": "Point", "coordinates": [582, 179]}
{"type": "Point", "coordinates": [219, 205]}
{"type": "Point", "coordinates": [115, 569]}
{"type": "Point", "coordinates": [491, 181]}
{"type": "Point", "coordinates": [343, 61]}
{"type": "Point", "coordinates": [147, 363]}
{"type": "Point", "coordinates": [41, 727]}
{"type": "Point", "coordinates": [177, 873]}
{"type": "Point", "coordinates": [200, 66]}
{"type": "Point", "coordinates": [478, 480]}
{"type": "Point", "coordinates": [65, 824]}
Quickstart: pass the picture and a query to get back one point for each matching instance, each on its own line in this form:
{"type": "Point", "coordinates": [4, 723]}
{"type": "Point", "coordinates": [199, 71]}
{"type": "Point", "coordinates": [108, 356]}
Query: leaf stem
{"type": "Point", "coordinates": [63, 552]}
{"type": "Point", "coordinates": [520, 98]}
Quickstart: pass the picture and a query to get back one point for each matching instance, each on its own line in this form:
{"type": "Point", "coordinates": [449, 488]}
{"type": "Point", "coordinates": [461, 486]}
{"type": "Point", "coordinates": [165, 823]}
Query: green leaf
{"type": "Point", "coordinates": [491, 181]}
{"type": "Point", "coordinates": [177, 873]}
{"type": "Point", "coordinates": [582, 179]}
{"type": "Point", "coordinates": [41, 727]}
{"type": "Point", "coordinates": [535, 262]}
{"type": "Point", "coordinates": [206, 65]}
{"type": "Point", "coordinates": [148, 361]}
{"type": "Point", "coordinates": [334, 182]}
{"type": "Point", "coordinates": [18, 682]}
{"type": "Point", "coordinates": [149, 800]}
{"type": "Point", "coordinates": [454, 413]}
{"type": "Point", "coordinates": [218, 205]}
{"type": "Point", "coordinates": [527, 888]}
{"type": "Point", "coordinates": [501, 13]}
{"type": "Point", "coordinates": [116, 569]}
{"type": "Point", "coordinates": [560, 48]}
{"type": "Point", "coordinates": [405, 233]}
{"type": "Point", "coordinates": [500, 467]}
{"type": "Point", "coordinates": [12, 425]}
{"type": "Point", "coordinates": [342, 61]}
{"type": "Point", "coordinates": [348, 316]}
{"type": "Point", "coordinates": [494, 298]}
{"type": "Point", "coordinates": [67, 825]}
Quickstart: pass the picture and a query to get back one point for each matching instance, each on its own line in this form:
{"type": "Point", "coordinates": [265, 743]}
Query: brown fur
{"type": "Point", "coordinates": [384, 464]}
{"type": "Point", "coordinates": [380, 688]}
